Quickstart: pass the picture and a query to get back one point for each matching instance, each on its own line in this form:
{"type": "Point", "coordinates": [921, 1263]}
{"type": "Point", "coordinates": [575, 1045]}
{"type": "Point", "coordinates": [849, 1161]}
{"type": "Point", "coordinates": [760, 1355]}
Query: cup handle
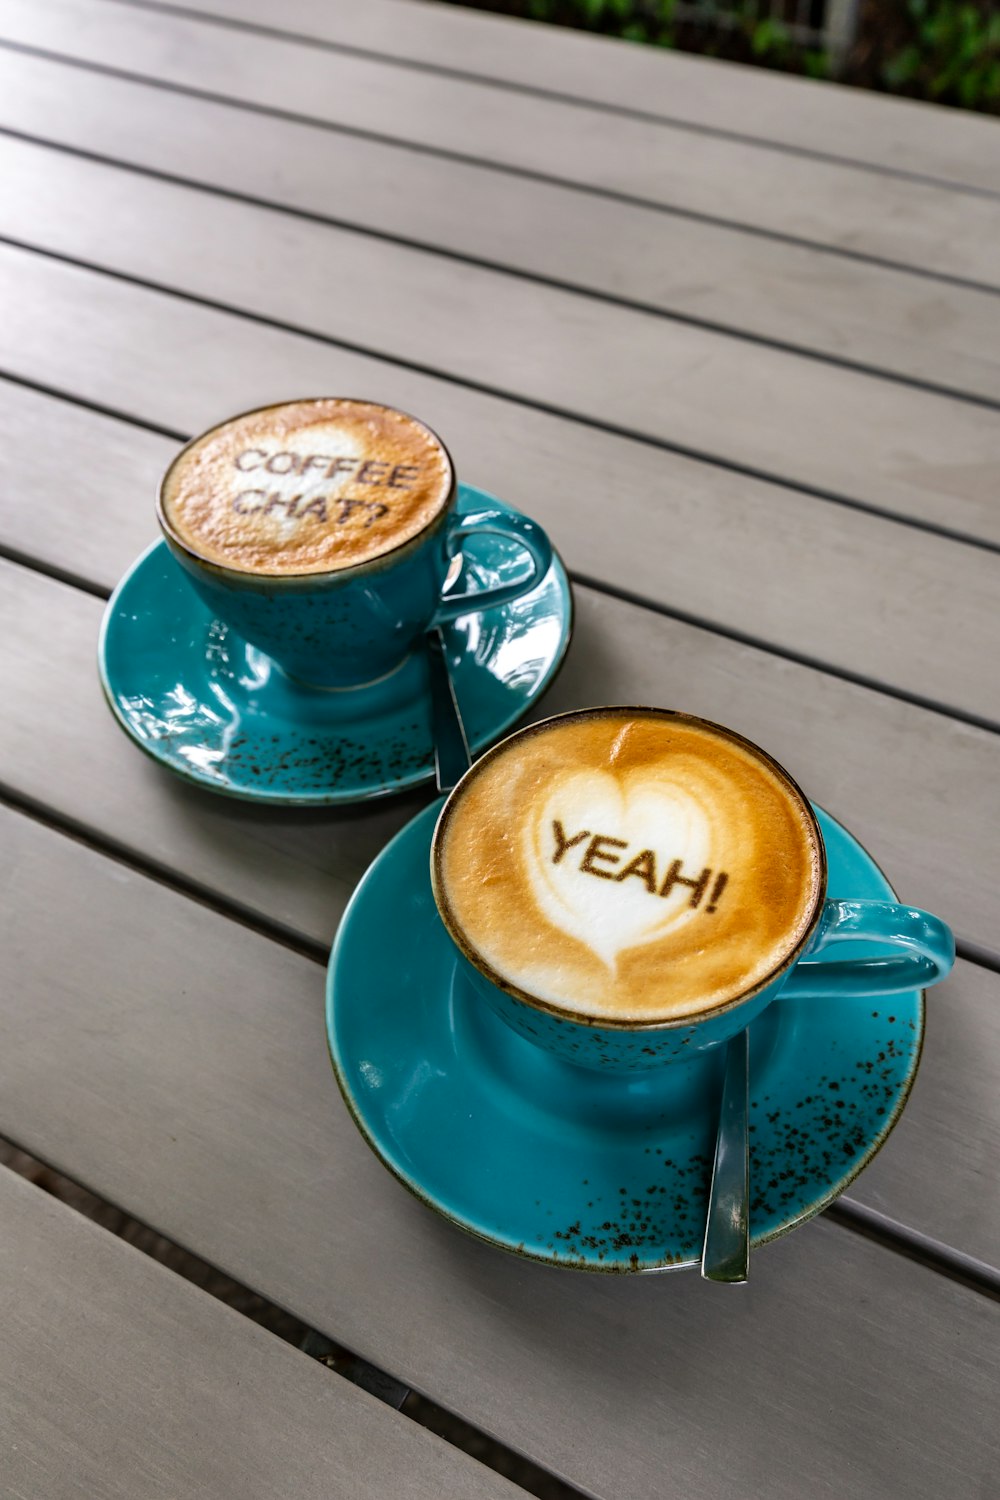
{"type": "Point", "coordinates": [929, 957]}
{"type": "Point", "coordinates": [502, 523]}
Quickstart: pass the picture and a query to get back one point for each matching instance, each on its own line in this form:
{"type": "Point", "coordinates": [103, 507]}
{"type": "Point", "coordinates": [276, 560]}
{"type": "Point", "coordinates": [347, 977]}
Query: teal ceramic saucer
{"type": "Point", "coordinates": [202, 702]}
{"type": "Point", "coordinates": [579, 1168]}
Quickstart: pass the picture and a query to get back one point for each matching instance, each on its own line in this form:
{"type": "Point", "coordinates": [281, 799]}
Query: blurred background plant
{"type": "Point", "coordinates": [942, 50]}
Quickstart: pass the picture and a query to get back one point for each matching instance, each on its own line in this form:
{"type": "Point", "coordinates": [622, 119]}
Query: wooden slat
{"type": "Point", "coordinates": [59, 461]}
{"type": "Point", "coordinates": [948, 336]}
{"type": "Point", "coordinates": [896, 605]}
{"type": "Point", "coordinates": [293, 868]}
{"type": "Point", "coordinates": [179, 1068]}
{"type": "Point", "coordinates": [802, 115]}
{"type": "Point", "coordinates": [952, 1126]}
{"type": "Point", "coordinates": [869, 439]}
{"type": "Point", "coordinates": [903, 220]}
{"type": "Point", "coordinates": [118, 1379]}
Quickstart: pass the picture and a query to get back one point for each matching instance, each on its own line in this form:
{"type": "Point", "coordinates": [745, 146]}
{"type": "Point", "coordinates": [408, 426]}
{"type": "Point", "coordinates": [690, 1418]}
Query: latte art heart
{"type": "Point", "coordinates": [600, 852]}
{"type": "Point", "coordinates": [628, 865]}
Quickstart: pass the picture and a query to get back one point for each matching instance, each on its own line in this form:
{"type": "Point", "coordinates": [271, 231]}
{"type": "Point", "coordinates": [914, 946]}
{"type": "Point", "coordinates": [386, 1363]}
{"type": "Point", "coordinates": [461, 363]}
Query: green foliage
{"type": "Point", "coordinates": [954, 54]}
{"type": "Point", "coordinates": [947, 50]}
{"type": "Point", "coordinates": [771, 41]}
{"type": "Point", "coordinates": [815, 64]}
{"type": "Point", "coordinates": [637, 20]}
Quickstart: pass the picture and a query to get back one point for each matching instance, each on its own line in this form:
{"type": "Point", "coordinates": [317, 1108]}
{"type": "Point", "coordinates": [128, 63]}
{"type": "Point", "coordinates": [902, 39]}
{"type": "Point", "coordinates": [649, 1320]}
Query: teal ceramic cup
{"type": "Point", "coordinates": [356, 620]}
{"type": "Point", "coordinates": [909, 949]}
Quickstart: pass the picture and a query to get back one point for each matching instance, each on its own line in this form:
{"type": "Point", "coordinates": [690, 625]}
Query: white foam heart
{"type": "Point", "coordinates": [611, 915]}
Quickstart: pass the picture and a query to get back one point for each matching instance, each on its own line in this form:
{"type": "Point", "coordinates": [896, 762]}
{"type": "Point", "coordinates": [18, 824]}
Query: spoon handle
{"type": "Point", "coordinates": [451, 748]}
{"type": "Point", "coordinates": [726, 1252]}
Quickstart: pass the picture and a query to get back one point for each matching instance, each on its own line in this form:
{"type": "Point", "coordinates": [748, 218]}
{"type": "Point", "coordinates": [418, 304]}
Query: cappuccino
{"type": "Point", "coordinates": [306, 487]}
{"type": "Point", "coordinates": [628, 866]}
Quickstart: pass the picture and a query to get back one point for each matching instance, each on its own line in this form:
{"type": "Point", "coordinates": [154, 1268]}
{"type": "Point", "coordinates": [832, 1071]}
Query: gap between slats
{"type": "Point", "coordinates": [517, 273]}
{"type": "Point", "coordinates": [845, 1211]}
{"type": "Point", "coordinates": [557, 96]}
{"type": "Point", "coordinates": [483, 163]}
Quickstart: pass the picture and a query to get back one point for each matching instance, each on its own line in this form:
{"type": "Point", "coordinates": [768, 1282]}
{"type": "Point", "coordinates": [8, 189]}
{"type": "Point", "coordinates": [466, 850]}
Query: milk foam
{"type": "Point", "coordinates": [628, 865]}
{"type": "Point", "coordinates": [606, 892]}
{"type": "Point", "coordinates": [308, 487]}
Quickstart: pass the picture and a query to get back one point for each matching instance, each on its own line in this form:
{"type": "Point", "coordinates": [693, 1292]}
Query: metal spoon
{"type": "Point", "coordinates": [726, 1252]}
{"type": "Point", "coordinates": [451, 748]}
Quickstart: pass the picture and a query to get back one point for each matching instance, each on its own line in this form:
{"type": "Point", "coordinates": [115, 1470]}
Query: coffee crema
{"type": "Point", "coordinates": [628, 865]}
{"type": "Point", "coordinates": [307, 487]}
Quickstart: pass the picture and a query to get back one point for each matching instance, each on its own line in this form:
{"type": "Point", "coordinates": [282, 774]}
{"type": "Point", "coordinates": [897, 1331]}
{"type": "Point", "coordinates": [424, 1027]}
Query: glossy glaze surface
{"type": "Point", "coordinates": [208, 706]}
{"type": "Point", "coordinates": [602, 1172]}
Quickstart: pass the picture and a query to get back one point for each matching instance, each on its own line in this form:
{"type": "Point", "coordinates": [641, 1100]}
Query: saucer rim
{"type": "Point", "coordinates": [618, 1268]}
{"type": "Point", "coordinates": [265, 796]}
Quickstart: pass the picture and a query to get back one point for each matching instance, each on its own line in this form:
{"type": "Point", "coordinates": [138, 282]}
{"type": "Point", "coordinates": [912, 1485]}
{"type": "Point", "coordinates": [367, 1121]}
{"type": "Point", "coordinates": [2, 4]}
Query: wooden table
{"type": "Point", "coordinates": [735, 341]}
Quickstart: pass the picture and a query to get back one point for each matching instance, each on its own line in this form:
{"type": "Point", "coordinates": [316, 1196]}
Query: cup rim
{"type": "Point", "coordinates": [277, 579]}
{"type": "Point", "coordinates": [610, 1023]}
